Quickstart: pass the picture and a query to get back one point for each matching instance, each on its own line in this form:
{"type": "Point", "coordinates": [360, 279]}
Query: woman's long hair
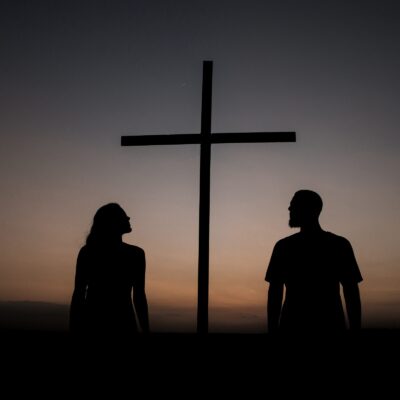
{"type": "Point", "coordinates": [106, 225]}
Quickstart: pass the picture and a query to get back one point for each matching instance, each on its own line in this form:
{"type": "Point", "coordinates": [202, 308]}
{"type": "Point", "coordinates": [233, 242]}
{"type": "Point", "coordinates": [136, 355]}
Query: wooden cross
{"type": "Point", "coordinates": [205, 139]}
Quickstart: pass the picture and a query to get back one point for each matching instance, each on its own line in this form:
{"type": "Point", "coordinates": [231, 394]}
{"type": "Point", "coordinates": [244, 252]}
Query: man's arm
{"type": "Point", "coordinates": [350, 278]}
{"type": "Point", "coordinates": [352, 298]}
{"type": "Point", "coordinates": [275, 296]}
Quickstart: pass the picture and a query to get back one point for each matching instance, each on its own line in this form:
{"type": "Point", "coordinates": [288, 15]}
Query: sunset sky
{"type": "Point", "coordinates": [76, 75]}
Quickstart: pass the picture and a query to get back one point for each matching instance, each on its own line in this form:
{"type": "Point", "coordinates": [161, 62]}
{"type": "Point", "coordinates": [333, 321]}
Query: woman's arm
{"type": "Point", "coordinates": [140, 299]}
{"type": "Point", "coordinates": [76, 313]}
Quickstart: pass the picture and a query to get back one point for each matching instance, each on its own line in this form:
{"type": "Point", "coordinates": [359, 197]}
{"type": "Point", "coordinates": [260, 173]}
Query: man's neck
{"type": "Point", "coordinates": [311, 228]}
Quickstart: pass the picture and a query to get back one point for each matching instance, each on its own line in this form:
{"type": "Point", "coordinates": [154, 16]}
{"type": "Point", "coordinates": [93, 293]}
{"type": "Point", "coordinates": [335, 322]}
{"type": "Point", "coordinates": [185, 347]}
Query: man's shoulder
{"type": "Point", "coordinates": [288, 240]}
{"type": "Point", "coordinates": [339, 240]}
{"type": "Point", "coordinates": [298, 238]}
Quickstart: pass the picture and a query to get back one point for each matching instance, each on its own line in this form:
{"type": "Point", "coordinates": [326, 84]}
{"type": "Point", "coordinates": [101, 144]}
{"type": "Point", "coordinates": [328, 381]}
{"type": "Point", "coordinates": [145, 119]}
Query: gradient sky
{"type": "Point", "coordinates": [76, 75]}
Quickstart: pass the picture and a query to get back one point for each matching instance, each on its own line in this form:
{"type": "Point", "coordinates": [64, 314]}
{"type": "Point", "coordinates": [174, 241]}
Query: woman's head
{"type": "Point", "coordinates": [109, 223]}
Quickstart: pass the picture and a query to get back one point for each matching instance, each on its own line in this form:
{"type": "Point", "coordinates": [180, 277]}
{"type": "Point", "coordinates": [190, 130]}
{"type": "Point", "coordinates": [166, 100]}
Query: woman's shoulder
{"type": "Point", "coordinates": [83, 251]}
{"type": "Point", "coordinates": [132, 249]}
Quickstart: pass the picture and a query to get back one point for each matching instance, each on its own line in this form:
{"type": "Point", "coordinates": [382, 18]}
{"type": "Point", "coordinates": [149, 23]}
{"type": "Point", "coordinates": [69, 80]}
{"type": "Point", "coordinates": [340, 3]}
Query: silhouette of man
{"type": "Point", "coordinates": [310, 265]}
{"type": "Point", "coordinates": [107, 271]}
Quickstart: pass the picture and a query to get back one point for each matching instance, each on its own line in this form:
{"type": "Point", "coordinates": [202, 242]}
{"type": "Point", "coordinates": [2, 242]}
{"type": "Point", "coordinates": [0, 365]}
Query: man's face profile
{"type": "Point", "coordinates": [294, 214]}
{"type": "Point", "coordinates": [304, 209]}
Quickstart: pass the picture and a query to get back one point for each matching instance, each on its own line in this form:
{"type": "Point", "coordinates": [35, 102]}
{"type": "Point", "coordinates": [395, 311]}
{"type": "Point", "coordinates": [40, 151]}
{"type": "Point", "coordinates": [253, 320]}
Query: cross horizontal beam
{"type": "Point", "coordinates": [251, 137]}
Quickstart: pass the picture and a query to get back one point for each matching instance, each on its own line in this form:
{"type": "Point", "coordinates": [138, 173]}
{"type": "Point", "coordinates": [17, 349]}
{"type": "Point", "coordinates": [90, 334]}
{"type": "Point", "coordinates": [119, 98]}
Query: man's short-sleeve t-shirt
{"type": "Point", "coordinates": [312, 267]}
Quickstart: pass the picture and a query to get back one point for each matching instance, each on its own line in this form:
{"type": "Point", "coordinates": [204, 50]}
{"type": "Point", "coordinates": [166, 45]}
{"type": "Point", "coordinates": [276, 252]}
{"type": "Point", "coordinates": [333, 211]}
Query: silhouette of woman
{"type": "Point", "coordinates": [107, 270]}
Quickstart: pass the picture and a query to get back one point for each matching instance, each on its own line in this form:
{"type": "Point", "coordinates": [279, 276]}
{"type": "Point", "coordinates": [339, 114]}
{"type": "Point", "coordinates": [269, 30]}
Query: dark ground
{"type": "Point", "coordinates": [44, 360]}
{"type": "Point", "coordinates": [189, 364]}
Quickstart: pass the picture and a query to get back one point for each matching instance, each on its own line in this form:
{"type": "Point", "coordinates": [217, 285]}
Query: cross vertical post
{"type": "Point", "coordinates": [204, 207]}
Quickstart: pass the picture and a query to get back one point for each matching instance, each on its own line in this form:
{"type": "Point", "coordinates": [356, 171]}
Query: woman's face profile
{"type": "Point", "coordinates": [121, 221]}
{"type": "Point", "coordinates": [125, 223]}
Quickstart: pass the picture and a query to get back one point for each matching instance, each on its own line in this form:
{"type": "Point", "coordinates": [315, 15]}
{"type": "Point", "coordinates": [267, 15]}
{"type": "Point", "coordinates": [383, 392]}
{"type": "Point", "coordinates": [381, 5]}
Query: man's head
{"type": "Point", "coordinates": [304, 208]}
